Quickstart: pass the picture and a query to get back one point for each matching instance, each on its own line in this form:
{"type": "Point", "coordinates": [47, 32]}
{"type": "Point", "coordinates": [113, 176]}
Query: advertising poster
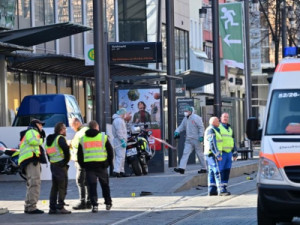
{"type": "Point", "coordinates": [143, 106]}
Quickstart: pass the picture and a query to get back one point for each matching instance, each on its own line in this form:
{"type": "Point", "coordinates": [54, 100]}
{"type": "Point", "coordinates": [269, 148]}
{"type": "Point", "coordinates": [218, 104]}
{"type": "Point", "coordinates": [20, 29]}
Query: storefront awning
{"type": "Point", "coordinates": [6, 48]}
{"type": "Point", "coordinates": [38, 35]}
{"type": "Point", "coordinates": [65, 65]}
{"type": "Point", "coordinates": [194, 79]}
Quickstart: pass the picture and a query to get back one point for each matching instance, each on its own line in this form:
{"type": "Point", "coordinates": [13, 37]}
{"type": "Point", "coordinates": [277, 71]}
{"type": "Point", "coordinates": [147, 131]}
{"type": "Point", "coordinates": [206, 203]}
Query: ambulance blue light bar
{"type": "Point", "coordinates": [291, 51]}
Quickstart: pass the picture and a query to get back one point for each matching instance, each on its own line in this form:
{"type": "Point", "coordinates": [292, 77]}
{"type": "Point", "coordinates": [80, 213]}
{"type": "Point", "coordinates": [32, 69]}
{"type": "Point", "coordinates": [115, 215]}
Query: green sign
{"type": "Point", "coordinates": [231, 32]}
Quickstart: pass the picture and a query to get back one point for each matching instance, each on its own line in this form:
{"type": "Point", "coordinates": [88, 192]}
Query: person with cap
{"type": "Point", "coordinates": [119, 131]}
{"type": "Point", "coordinates": [95, 154]}
{"type": "Point", "coordinates": [30, 159]}
{"type": "Point", "coordinates": [84, 196]}
{"type": "Point", "coordinates": [58, 153]}
{"type": "Point", "coordinates": [229, 151]}
{"type": "Point", "coordinates": [213, 153]}
{"type": "Point", "coordinates": [193, 125]}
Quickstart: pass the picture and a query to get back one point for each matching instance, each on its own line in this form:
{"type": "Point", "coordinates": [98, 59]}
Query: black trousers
{"type": "Point", "coordinates": [92, 176]}
{"type": "Point", "coordinates": [59, 186]}
{"type": "Point", "coordinates": [82, 185]}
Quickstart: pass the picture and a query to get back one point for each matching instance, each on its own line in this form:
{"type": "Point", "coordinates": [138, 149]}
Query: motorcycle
{"type": "Point", "coordinates": [9, 161]}
{"type": "Point", "coordinates": [138, 150]}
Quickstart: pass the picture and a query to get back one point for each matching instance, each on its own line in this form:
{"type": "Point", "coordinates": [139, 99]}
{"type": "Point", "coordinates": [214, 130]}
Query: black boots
{"type": "Point", "coordinates": [179, 170]}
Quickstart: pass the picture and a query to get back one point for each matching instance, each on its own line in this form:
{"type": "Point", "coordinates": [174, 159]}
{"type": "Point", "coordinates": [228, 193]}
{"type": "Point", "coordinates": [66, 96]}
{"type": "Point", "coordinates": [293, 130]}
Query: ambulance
{"type": "Point", "coordinates": [278, 178]}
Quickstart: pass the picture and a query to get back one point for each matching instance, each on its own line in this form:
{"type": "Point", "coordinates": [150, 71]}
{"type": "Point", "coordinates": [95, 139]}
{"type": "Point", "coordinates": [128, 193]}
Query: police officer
{"type": "Point", "coordinates": [95, 154]}
{"type": "Point", "coordinates": [84, 196]}
{"type": "Point", "coordinates": [31, 155]}
{"type": "Point", "coordinates": [193, 125]}
{"type": "Point", "coordinates": [229, 151]}
{"type": "Point", "coordinates": [119, 131]}
{"type": "Point", "coordinates": [212, 150]}
{"type": "Point", "coordinates": [59, 156]}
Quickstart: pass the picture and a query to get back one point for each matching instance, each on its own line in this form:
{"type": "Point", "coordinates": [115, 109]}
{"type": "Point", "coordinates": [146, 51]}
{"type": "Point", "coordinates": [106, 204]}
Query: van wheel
{"type": "Point", "coordinates": [262, 218]}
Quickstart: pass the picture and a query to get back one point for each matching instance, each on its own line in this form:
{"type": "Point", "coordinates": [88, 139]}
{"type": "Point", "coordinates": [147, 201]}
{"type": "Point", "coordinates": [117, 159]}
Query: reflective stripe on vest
{"type": "Point", "coordinates": [228, 142]}
{"type": "Point", "coordinates": [219, 140]}
{"type": "Point", "coordinates": [54, 151]}
{"type": "Point", "coordinates": [94, 148]}
{"type": "Point", "coordinates": [30, 145]}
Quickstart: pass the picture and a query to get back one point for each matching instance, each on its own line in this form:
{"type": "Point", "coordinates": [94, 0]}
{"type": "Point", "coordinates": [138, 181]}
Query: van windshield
{"type": "Point", "coordinates": [50, 119]}
{"type": "Point", "coordinates": [284, 113]}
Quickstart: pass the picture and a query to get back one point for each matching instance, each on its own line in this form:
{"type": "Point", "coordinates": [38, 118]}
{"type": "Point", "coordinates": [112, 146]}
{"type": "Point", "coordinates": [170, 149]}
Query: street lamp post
{"type": "Point", "coordinates": [216, 54]}
{"type": "Point", "coordinates": [216, 58]}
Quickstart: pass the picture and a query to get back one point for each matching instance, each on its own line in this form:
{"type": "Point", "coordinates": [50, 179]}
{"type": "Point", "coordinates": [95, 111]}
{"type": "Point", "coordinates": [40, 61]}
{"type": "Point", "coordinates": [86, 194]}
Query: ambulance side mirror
{"type": "Point", "coordinates": [252, 130]}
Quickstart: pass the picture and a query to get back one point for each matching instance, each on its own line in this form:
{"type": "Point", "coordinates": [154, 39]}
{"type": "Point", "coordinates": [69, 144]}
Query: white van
{"type": "Point", "coordinates": [278, 178]}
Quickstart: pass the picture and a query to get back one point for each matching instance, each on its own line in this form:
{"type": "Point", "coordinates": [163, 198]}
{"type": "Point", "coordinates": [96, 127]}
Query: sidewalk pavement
{"type": "Point", "coordinates": [160, 184]}
{"type": "Point", "coordinates": [125, 194]}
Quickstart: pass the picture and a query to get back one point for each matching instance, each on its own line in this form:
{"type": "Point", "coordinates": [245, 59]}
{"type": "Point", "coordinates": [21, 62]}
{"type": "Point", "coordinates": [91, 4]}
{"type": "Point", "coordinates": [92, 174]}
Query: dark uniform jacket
{"type": "Point", "coordinates": [95, 165]}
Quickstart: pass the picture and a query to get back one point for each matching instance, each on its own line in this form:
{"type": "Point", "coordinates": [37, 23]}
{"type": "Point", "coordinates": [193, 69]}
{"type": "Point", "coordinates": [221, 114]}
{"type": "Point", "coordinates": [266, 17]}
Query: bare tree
{"type": "Point", "coordinates": [272, 18]}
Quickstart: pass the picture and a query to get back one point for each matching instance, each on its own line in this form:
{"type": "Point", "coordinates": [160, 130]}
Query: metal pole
{"type": "Point", "coordinates": [283, 27]}
{"type": "Point", "coordinates": [170, 81]}
{"type": "Point", "coordinates": [216, 58]}
{"type": "Point", "coordinates": [247, 60]}
{"type": "Point", "coordinates": [99, 71]}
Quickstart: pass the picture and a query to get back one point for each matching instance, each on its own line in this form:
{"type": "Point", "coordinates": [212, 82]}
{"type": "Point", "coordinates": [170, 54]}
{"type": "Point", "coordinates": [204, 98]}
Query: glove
{"type": "Point", "coordinates": [176, 135]}
{"type": "Point", "coordinates": [123, 143]}
{"type": "Point", "coordinates": [201, 139]}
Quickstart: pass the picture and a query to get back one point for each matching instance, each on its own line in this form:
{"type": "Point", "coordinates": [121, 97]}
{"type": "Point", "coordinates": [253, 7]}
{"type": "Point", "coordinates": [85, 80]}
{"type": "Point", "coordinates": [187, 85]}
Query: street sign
{"type": "Point", "coordinates": [231, 32]}
{"type": "Point", "coordinates": [135, 52]}
{"type": "Point", "coordinates": [89, 55]}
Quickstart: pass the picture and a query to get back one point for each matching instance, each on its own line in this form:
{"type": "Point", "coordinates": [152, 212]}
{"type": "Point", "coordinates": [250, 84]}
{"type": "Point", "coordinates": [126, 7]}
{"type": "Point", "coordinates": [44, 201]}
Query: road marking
{"type": "Point", "coordinates": [174, 202]}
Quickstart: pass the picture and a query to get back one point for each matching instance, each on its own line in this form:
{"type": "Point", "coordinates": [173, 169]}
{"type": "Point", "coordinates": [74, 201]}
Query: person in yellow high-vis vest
{"type": "Point", "coordinates": [31, 155]}
{"type": "Point", "coordinates": [229, 151]}
{"type": "Point", "coordinates": [58, 153]}
{"type": "Point", "coordinates": [95, 154]}
{"type": "Point", "coordinates": [213, 153]}
{"type": "Point", "coordinates": [84, 196]}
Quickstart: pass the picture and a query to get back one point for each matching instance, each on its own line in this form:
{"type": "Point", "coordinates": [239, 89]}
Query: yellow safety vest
{"type": "Point", "coordinates": [29, 145]}
{"type": "Point", "coordinates": [219, 140]}
{"type": "Point", "coordinates": [228, 142]}
{"type": "Point", "coordinates": [75, 142]}
{"type": "Point", "coordinates": [94, 149]}
{"type": "Point", "coordinates": [54, 151]}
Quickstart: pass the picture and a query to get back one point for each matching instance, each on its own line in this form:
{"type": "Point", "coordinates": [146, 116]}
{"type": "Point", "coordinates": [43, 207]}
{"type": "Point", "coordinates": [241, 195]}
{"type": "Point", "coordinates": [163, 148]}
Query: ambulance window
{"type": "Point", "coordinates": [284, 113]}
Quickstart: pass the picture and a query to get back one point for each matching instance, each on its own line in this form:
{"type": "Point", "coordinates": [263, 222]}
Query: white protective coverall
{"type": "Point", "coordinates": [193, 125]}
{"type": "Point", "coordinates": [119, 131]}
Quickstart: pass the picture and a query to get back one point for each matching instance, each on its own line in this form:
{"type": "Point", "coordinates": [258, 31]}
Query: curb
{"type": "Point", "coordinates": [201, 179]}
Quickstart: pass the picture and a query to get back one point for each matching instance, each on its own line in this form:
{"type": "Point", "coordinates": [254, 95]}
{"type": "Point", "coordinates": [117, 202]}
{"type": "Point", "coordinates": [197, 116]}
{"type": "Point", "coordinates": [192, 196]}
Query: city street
{"type": "Point", "coordinates": [163, 206]}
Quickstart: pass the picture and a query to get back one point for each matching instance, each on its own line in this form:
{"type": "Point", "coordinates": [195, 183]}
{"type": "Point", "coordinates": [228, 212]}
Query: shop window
{"type": "Point", "coordinates": [26, 81]}
{"type": "Point", "coordinates": [81, 96]}
{"type": "Point", "coordinates": [51, 85]}
{"type": "Point", "coordinates": [132, 20]}
{"type": "Point", "coordinates": [13, 94]}
{"type": "Point", "coordinates": [42, 85]}
{"type": "Point", "coordinates": [24, 13]}
{"type": "Point", "coordinates": [49, 12]}
{"type": "Point", "coordinates": [65, 85]}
